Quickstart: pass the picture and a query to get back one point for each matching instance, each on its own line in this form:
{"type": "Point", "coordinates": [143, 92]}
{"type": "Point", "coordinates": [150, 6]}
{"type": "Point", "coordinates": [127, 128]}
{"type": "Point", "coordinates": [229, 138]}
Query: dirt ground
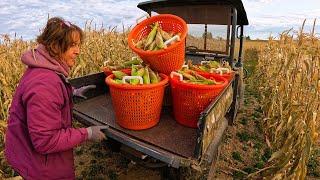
{"type": "Point", "coordinates": [244, 149]}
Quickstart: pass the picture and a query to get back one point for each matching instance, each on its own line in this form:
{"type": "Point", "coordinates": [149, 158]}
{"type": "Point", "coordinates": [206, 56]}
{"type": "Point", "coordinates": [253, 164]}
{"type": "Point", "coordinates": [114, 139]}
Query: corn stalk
{"type": "Point", "coordinates": [289, 84]}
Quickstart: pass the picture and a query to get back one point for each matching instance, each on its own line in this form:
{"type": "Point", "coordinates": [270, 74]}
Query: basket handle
{"type": "Point", "coordinates": [176, 74]}
{"type": "Point", "coordinates": [132, 77]}
{"type": "Point", "coordinates": [174, 38]}
{"type": "Point", "coordinates": [212, 70]}
{"type": "Point", "coordinates": [219, 70]}
{"type": "Point", "coordinates": [185, 66]}
{"type": "Point", "coordinates": [145, 15]}
{"type": "Point", "coordinates": [224, 69]}
{"type": "Point", "coordinates": [204, 62]}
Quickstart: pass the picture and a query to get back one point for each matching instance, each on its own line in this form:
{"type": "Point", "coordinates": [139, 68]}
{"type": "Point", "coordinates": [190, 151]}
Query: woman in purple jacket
{"type": "Point", "coordinates": [40, 138]}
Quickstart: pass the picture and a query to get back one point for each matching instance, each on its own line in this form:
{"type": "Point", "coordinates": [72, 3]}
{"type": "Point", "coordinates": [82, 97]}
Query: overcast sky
{"type": "Point", "coordinates": [266, 17]}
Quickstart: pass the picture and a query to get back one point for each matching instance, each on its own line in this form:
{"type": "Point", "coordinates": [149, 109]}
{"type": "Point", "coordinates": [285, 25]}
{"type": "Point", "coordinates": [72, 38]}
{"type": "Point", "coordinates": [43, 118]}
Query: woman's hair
{"type": "Point", "coordinates": [57, 36]}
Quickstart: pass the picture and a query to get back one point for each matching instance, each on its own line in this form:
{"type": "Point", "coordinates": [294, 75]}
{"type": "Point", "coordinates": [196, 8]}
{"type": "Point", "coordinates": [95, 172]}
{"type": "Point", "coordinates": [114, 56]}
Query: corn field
{"type": "Point", "coordinates": [212, 44]}
{"type": "Point", "coordinates": [288, 79]}
{"type": "Point", "coordinates": [10, 73]}
{"type": "Point", "coordinates": [288, 75]}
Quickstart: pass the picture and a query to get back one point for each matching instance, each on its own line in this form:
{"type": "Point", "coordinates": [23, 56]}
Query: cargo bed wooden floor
{"type": "Point", "coordinates": [167, 134]}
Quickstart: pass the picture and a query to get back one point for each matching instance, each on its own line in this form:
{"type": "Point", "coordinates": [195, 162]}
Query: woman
{"type": "Point", "coordinates": [40, 138]}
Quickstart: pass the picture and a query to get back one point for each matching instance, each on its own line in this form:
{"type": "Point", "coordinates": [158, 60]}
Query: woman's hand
{"type": "Point", "coordinates": [95, 133]}
{"type": "Point", "coordinates": [82, 90]}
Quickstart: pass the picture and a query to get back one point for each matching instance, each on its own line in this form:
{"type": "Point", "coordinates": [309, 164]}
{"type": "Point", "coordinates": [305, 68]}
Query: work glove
{"type": "Point", "coordinates": [95, 134]}
{"type": "Point", "coordinates": [82, 90]}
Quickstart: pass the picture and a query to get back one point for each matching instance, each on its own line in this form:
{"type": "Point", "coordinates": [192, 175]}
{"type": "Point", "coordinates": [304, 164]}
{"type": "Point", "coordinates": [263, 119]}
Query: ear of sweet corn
{"type": "Point", "coordinates": [113, 68]}
{"type": "Point", "coordinates": [133, 73]}
{"type": "Point", "coordinates": [152, 34]}
{"type": "Point", "coordinates": [159, 40]}
{"type": "Point", "coordinates": [164, 34]}
{"type": "Point", "coordinates": [171, 34]}
{"type": "Point", "coordinates": [193, 67]}
{"type": "Point", "coordinates": [152, 46]}
{"type": "Point", "coordinates": [204, 68]}
{"type": "Point", "coordinates": [158, 76]}
{"type": "Point", "coordinates": [133, 70]}
{"type": "Point", "coordinates": [119, 74]}
{"type": "Point", "coordinates": [188, 76]}
{"type": "Point", "coordinates": [195, 78]}
{"type": "Point", "coordinates": [214, 64]}
{"type": "Point", "coordinates": [198, 76]}
{"type": "Point", "coordinates": [119, 81]}
{"type": "Point", "coordinates": [138, 72]}
{"type": "Point", "coordinates": [199, 82]}
{"type": "Point", "coordinates": [140, 44]}
{"type": "Point", "coordinates": [153, 77]}
{"type": "Point", "coordinates": [134, 61]}
{"type": "Point", "coordinates": [115, 81]}
{"type": "Point", "coordinates": [157, 35]}
{"type": "Point", "coordinates": [146, 77]}
{"type": "Point", "coordinates": [156, 48]}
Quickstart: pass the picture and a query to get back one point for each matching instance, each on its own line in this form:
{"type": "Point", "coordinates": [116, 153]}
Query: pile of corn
{"type": "Point", "coordinates": [157, 39]}
{"type": "Point", "coordinates": [192, 77]}
{"type": "Point", "coordinates": [139, 75]}
{"type": "Point", "coordinates": [211, 67]}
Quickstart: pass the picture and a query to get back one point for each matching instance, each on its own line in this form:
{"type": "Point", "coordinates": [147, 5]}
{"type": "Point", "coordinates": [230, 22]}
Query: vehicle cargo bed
{"type": "Point", "coordinates": [168, 141]}
{"type": "Point", "coordinates": [167, 134]}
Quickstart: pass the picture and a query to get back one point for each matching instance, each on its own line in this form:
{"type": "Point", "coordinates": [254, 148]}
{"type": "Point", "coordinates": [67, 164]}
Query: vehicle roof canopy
{"type": "Point", "coordinates": [199, 11]}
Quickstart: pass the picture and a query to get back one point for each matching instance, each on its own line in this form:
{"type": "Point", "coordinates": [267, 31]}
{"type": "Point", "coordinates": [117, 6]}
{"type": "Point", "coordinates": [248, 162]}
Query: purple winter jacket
{"type": "Point", "coordinates": [39, 138]}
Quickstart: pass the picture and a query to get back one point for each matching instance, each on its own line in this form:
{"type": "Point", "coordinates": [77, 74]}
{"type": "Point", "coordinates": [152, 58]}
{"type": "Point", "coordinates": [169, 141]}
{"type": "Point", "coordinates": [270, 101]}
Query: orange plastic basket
{"type": "Point", "coordinates": [189, 100]}
{"type": "Point", "coordinates": [227, 76]}
{"type": "Point", "coordinates": [137, 106]}
{"type": "Point", "coordinates": [164, 60]}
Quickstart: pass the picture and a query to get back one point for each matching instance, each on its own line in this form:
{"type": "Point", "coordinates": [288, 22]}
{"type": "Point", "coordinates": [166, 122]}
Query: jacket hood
{"type": "Point", "coordinates": [40, 57]}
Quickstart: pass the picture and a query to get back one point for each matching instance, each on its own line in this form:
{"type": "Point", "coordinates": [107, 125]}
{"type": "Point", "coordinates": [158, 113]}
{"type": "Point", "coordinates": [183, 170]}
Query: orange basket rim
{"type": "Point", "coordinates": [164, 81]}
{"type": "Point", "coordinates": [200, 86]}
{"type": "Point", "coordinates": [150, 20]}
{"type": "Point", "coordinates": [204, 72]}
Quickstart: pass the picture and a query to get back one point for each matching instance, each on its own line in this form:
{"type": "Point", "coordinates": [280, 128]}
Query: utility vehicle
{"type": "Point", "coordinates": [169, 144]}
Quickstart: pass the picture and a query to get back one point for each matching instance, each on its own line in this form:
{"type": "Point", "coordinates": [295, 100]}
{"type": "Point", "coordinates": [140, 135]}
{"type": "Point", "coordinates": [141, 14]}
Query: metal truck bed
{"type": "Point", "coordinates": [168, 141]}
{"type": "Point", "coordinates": [167, 134]}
